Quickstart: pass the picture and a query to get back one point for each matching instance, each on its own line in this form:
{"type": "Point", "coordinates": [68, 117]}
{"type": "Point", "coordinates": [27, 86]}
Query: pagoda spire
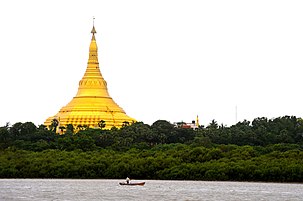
{"type": "Point", "coordinates": [93, 29]}
{"type": "Point", "coordinates": [93, 73]}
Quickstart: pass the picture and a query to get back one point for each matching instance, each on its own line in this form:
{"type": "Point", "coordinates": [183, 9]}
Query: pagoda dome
{"type": "Point", "coordinates": [92, 103]}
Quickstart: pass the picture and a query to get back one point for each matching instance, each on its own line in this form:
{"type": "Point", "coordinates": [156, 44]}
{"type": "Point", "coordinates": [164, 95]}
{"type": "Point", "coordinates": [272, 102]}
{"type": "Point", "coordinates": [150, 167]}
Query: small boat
{"type": "Point", "coordinates": [132, 183]}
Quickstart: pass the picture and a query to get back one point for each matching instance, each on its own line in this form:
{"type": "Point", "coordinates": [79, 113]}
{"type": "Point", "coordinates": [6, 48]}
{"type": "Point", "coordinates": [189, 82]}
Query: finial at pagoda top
{"type": "Point", "coordinates": [93, 30]}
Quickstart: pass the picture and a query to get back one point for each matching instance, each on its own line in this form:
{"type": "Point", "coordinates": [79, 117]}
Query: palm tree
{"type": "Point", "coordinates": [54, 125]}
{"type": "Point", "coordinates": [101, 124]}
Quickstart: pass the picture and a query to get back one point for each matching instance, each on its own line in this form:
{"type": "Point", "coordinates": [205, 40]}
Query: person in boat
{"type": "Point", "coordinates": [127, 180]}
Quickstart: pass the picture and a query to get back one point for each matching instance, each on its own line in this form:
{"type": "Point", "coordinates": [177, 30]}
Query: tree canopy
{"type": "Point", "coordinates": [261, 150]}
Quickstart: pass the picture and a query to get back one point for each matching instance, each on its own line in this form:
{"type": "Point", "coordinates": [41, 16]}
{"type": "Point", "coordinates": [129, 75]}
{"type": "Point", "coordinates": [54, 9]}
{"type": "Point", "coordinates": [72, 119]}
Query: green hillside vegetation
{"type": "Point", "coordinates": [261, 150]}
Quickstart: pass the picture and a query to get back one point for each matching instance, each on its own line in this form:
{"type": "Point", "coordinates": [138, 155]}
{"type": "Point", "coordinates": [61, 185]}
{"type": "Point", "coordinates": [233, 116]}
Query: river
{"type": "Point", "coordinates": [90, 189]}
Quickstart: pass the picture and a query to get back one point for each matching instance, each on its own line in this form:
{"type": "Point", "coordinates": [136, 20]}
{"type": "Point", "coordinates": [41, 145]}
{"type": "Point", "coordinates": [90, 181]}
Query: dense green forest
{"type": "Point", "coordinates": [261, 150]}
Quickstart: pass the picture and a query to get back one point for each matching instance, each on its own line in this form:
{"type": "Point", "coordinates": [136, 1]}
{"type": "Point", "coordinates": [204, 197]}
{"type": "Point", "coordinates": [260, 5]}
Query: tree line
{"type": "Point", "coordinates": [261, 150]}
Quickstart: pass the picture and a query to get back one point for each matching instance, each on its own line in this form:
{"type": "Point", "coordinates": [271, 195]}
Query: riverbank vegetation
{"type": "Point", "coordinates": [261, 150]}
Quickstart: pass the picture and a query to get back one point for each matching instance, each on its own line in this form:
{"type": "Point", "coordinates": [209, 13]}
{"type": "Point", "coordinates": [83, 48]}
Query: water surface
{"type": "Point", "coordinates": [85, 189]}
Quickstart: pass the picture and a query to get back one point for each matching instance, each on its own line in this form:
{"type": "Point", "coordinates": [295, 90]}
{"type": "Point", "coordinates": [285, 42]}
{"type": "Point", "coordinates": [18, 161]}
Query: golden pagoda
{"type": "Point", "coordinates": [92, 103]}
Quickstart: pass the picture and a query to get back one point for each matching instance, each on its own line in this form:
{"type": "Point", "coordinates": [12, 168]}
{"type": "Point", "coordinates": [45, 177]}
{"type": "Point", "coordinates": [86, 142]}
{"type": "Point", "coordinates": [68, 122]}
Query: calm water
{"type": "Point", "coordinates": [72, 189]}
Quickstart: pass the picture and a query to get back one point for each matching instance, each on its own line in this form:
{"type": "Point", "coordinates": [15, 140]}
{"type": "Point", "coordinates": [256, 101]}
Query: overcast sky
{"type": "Point", "coordinates": [162, 59]}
